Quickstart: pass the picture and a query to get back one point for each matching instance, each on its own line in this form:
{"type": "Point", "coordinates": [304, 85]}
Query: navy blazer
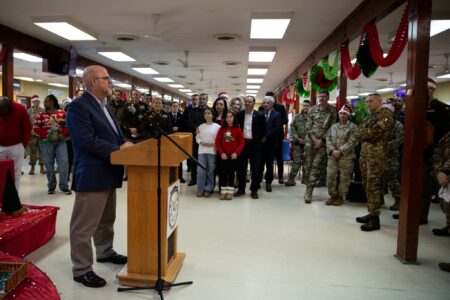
{"type": "Point", "coordinates": [93, 141]}
{"type": "Point", "coordinates": [273, 125]}
{"type": "Point", "coordinates": [258, 124]}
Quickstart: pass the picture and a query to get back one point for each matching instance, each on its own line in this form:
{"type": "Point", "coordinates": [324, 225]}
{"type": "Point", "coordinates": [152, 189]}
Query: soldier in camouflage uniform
{"type": "Point", "coordinates": [373, 133]}
{"type": "Point", "coordinates": [441, 170]}
{"type": "Point", "coordinates": [395, 140]}
{"type": "Point", "coordinates": [341, 153]}
{"type": "Point", "coordinates": [154, 120]}
{"type": "Point", "coordinates": [298, 135]}
{"type": "Point", "coordinates": [35, 152]}
{"type": "Point", "coordinates": [320, 119]}
{"type": "Point", "coordinates": [133, 114]}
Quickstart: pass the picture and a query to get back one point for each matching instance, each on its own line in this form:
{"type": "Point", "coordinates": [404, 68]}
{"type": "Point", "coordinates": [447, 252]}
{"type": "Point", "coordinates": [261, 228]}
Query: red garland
{"type": "Point", "coordinates": [284, 96]}
{"type": "Point", "coordinates": [3, 54]}
{"type": "Point", "coordinates": [305, 81]}
{"type": "Point", "coordinates": [354, 71]}
{"type": "Point", "coordinates": [401, 39]}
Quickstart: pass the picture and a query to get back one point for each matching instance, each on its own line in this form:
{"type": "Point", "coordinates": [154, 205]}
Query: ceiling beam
{"type": "Point", "coordinates": [19, 40]}
{"type": "Point", "coordinates": [349, 29]}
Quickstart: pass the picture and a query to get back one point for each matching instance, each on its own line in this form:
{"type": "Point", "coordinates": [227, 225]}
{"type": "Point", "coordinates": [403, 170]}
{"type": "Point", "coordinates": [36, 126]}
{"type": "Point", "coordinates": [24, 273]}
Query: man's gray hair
{"type": "Point", "coordinates": [269, 98]}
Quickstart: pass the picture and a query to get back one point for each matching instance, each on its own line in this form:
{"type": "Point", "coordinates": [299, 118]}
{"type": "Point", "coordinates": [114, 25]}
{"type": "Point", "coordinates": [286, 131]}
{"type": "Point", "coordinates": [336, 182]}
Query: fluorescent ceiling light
{"type": "Point", "coordinates": [27, 57]}
{"type": "Point", "coordinates": [386, 90]}
{"type": "Point", "coordinates": [251, 91]}
{"type": "Point", "coordinates": [66, 30]}
{"type": "Point", "coordinates": [123, 85]}
{"type": "Point", "coordinates": [254, 95]}
{"type": "Point", "coordinates": [444, 76]}
{"type": "Point", "coordinates": [142, 90]}
{"type": "Point", "coordinates": [176, 85]}
{"type": "Point", "coordinates": [59, 85]}
{"type": "Point", "coordinates": [268, 28]}
{"type": "Point", "coordinates": [185, 90]}
{"type": "Point", "coordinates": [24, 78]}
{"type": "Point", "coordinates": [163, 79]}
{"type": "Point", "coordinates": [116, 55]}
{"type": "Point", "coordinates": [156, 94]}
{"type": "Point", "coordinates": [39, 80]}
{"type": "Point", "coordinates": [144, 70]}
{"type": "Point", "coordinates": [261, 54]}
{"type": "Point", "coordinates": [403, 84]}
{"type": "Point", "coordinates": [364, 94]}
{"type": "Point", "coordinates": [255, 80]}
{"type": "Point", "coordinates": [438, 26]}
{"type": "Point", "coordinates": [79, 72]}
{"type": "Point", "coordinates": [352, 97]}
{"type": "Point", "coordinates": [190, 94]}
{"type": "Point", "coordinates": [256, 71]}
{"type": "Point", "coordinates": [254, 87]}
{"type": "Point", "coordinates": [167, 97]}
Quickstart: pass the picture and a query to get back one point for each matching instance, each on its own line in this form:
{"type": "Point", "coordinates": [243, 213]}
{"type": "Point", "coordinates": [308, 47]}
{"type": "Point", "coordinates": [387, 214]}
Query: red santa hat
{"type": "Point", "coordinates": [222, 94]}
{"type": "Point", "coordinates": [35, 98]}
{"type": "Point", "coordinates": [346, 109]}
{"type": "Point", "coordinates": [431, 83]}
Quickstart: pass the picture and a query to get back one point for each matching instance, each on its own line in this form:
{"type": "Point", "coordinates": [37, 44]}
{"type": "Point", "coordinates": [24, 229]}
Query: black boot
{"type": "Point", "coordinates": [373, 224]}
{"type": "Point", "coordinates": [364, 219]}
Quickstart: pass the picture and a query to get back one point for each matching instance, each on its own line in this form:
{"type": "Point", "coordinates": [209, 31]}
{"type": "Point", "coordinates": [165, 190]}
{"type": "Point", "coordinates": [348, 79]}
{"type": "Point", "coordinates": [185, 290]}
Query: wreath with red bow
{"type": "Point", "coordinates": [319, 82]}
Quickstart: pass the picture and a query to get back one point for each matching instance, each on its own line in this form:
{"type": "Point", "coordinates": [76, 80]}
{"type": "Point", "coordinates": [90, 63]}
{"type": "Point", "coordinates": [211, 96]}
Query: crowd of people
{"type": "Point", "coordinates": [328, 148]}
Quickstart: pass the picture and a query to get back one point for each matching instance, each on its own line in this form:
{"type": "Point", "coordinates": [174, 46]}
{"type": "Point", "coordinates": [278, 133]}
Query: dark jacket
{"type": "Point", "coordinates": [279, 108]}
{"type": "Point", "coordinates": [258, 124]}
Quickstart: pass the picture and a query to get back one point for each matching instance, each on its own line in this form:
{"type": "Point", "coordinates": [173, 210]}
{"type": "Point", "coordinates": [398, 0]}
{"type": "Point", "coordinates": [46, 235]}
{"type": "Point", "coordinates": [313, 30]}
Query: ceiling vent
{"type": "Point", "coordinates": [125, 37]}
{"type": "Point", "coordinates": [234, 76]}
{"type": "Point", "coordinates": [226, 37]}
{"type": "Point", "coordinates": [231, 63]}
{"type": "Point", "coordinates": [161, 62]}
{"type": "Point", "coordinates": [180, 76]}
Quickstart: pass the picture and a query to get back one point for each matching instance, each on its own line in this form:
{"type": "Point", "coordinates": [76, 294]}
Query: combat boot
{"type": "Point", "coordinates": [31, 171]}
{"type": "Point", "coordinates": [308, 194]}
{"type": "Point", "coordinates": [290, 181]}
{"type": "Point", "coordinates": [373, 224]}
{"type": "Point", "coordinates": [364, 219]}
{"type": "Point", "coordinates": [42, 170]}
{"type": "Point", "coordinates": [330, 200]}
{"type": "Point", "coordinates": [339, 201]}
{"type": "Point", "coordinates": [396, 205]}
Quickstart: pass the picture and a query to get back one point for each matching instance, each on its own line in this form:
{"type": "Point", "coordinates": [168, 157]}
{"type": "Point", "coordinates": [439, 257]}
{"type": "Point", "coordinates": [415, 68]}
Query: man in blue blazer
{"type": "Point", "coordinates": [95, 134]}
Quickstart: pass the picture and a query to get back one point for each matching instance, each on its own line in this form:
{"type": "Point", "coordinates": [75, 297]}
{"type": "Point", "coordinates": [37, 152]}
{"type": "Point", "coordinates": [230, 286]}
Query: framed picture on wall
{"type": "Point", "coordinates": [17, 86]}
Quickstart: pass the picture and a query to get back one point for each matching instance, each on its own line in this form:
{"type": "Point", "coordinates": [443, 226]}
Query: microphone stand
{"type": "Point", "coordinates": [161, 284]}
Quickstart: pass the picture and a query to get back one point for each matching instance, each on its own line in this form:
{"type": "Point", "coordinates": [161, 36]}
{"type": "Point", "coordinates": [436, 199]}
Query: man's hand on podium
{"type": "Point", "coordinates": [126, 145]}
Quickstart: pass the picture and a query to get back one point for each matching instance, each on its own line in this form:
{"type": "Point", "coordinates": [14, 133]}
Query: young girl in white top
{"type": "Point", "coordinates": [206, 137]}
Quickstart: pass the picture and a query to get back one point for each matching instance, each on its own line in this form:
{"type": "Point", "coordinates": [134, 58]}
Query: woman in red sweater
{"type": "Point", "coordinates": [229, 143]}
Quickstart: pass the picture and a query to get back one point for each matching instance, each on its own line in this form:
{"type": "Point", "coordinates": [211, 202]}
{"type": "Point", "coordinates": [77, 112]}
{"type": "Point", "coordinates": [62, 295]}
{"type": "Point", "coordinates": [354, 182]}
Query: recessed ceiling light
{"type": "Point", "coordinates": [364, 94]}
{"type": "Point", "coordinates": [163, 79]}
{"type": "Point", "coordinates": [261, 54]}
{"type": "Point", "coordinates": [64, 29]}
{"type": "Point", "coordinates": [59, 85]}
{"type": "Point", "coordinates": [438, 26]}
{"type": "Point", "coordinates": [116, 55]}
{"type": "Point", "coordinates": [255, 80]}
{"type": "Point", "coordinates": [144, 69]}
{"type": "Point", "coordinates": [268, 28]}
{"type": "Point", "coordinates": [24, 78]}
{"type": "Point", "coordinates": [251, 91]}
{"type": "Point", "coordinates": [256, 71]}
{"type": "Point", "coordinates": [39, 80]}
{"type": "Point", "coordinates": [190, 94]}
{"type": "Point", "coordinates": [383, 90]}
{"type": "Point", "coordinates": [185, 90]}
{"type": "Point", "coordinates": [256, 87]}
{"type": "Point", "coordinates": [79, 72]}
{"type": "Point", "coordinates": [27, 57]}
{"type": "Point", "coordinates": [176, 85]}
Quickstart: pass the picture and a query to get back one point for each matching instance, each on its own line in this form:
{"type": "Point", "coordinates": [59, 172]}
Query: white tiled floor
{"type": "Point", "coordinates": [276, 247]}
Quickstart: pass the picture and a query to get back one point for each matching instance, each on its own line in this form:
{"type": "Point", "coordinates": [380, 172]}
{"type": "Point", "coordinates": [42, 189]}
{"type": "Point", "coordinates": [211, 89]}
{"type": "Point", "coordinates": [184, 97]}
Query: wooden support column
{"type": "Point", "coordinates": [412, 171]}
{"type": "Point", "coordinates": [342, 88]}
{"type": "Point", "coordinates": [8, 73]}
{"type": "Point", "coordinates": [312, 96]}
{"type": "Point", "coordinates": [72, 86]}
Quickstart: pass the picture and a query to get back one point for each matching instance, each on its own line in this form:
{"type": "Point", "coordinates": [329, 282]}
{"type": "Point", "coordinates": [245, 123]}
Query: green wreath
{"type": "Point", "coordinates": [331, 72]}
{"type": "Point", "coordinates": [300, 89]}
{"type": "Point", "coordinates": [319, 82]}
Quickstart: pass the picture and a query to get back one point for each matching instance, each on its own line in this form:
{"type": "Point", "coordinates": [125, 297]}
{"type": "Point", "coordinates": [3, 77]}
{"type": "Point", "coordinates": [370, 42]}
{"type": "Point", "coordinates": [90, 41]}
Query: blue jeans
{"type": "Point", "coordinates": [58, 151]}
{"type": "Point", "coordinates": [205, 178]}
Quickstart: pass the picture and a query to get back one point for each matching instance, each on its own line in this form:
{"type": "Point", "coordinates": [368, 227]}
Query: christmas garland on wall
{"type": "Point", "coordinates": [365, 61]}
{"type": "Point", "coordinates": [3, 52]}
{"type": "Point", "coordinates": [319, 82]}
{"type": "Point", "coordinates": [331, 72]}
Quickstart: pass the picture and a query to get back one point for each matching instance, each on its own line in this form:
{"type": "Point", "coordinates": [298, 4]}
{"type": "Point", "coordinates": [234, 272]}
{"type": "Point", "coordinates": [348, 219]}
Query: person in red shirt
{"type": "Point", "coordinates": [50, 126]}
{"type": "Point", "coordinates": [229, 143]}
{"type": "Point", "coordinates": [15, 134]}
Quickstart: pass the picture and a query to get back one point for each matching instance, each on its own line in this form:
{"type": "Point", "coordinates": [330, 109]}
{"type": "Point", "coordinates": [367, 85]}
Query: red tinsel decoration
{"type": "Point", "coordinates": [3, 54]}
{"type": "Point", "coordinates": [284, 96]}
{"type": "Point", "coordinates": [401, 39]}
{"type": "Point", "coordinates": [352, 71]}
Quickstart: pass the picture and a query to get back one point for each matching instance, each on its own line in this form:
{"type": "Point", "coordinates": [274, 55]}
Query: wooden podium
{"type": "Point", "coordinates": [142, 162]}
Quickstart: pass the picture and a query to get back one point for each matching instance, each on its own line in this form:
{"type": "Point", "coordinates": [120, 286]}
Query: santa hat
{"type": "Point", "coordinates": [346, 109]}
{"type": "Point", "coordinates": [389, 106]}
{"type": "Point", "coordinates": [431, 83]}
{"type": "Point", "coordinates": [35, 98]}
{"type": "Point", "coordinates": [222, 94]}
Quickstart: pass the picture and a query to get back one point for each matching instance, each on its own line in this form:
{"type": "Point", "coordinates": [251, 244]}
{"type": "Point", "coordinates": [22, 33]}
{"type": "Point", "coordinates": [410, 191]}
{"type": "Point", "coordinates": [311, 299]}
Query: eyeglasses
{"type": "Point", "coordinates": [104, 78]}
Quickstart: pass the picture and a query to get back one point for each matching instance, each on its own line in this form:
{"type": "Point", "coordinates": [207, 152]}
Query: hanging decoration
{"type": "Point", "coordinates": [352, 71]}
{"type": "Point", "coordinates": [331, 72]}
{"type": "Point", "coordinates": [319, 82]}
{"type": "Point", "coordinates": [300, 89]}
{"type": "Point", "coordinates": [400, 41]}
{"type": "Point", "coordinates": [288, 96]}
{"type": "Point", "coordinates": [365, 61]}
{"type": "Point", "coordinates": [3, 51]}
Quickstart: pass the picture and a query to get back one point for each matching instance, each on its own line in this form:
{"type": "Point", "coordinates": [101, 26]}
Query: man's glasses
{"type": "Point", "coordinates": [104, 78]}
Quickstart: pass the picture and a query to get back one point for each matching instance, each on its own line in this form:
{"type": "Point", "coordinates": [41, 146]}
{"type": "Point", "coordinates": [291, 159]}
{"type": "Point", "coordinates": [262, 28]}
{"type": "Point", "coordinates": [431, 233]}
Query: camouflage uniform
{"type": "Point", "coordinates": [34, 150]}
{"type": "Point", "coordinates": [395, 140]}
{"type": "Point", "coordinates": [317, 125]}
{"type": "Point", "coordinates": [441, 163]}
{"type": "Point", "coordinates": [298, 131]}
{"type": "Point", "coordinates": [133, 115]}
{"type": "Point", "coordinates": [340, 137]}
{"type": "Point", "coordinates": [374, 133]}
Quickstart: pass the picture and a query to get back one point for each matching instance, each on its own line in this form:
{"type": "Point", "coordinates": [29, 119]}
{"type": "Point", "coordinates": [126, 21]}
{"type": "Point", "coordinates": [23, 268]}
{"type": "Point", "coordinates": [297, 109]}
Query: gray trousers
{"type": "Point", "coordinates": [93, 216]}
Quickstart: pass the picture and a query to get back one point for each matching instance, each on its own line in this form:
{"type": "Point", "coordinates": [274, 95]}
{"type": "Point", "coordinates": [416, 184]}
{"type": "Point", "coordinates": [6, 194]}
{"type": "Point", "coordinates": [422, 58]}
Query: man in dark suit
{"type": "Point", "coordinates": [270, 140]}
{"type": "Point", "coordinates": [279, 108]}
{"type": "Point", "coordinates": [253, 127]}
{"type": "Point", "coordinates": [95, 135]}
{"type": "Point", "coordinates": [186, 113]}
{"type": "Point", "coordinates": [177, 126]}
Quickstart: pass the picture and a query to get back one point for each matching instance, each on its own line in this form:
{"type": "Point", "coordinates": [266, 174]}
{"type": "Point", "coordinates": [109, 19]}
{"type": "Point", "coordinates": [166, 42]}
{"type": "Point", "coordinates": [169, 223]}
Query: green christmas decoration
{"type": "Point", "coordinates": [361, 111]}
{"type": "Point", "coordinates": [331, 72]}
{"type": "Point", "coordinates": [365, 60]}
{"type": "Point", "coordinates": [319, 82]}
{"type": "Point", "coordinates": [300, 90]}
